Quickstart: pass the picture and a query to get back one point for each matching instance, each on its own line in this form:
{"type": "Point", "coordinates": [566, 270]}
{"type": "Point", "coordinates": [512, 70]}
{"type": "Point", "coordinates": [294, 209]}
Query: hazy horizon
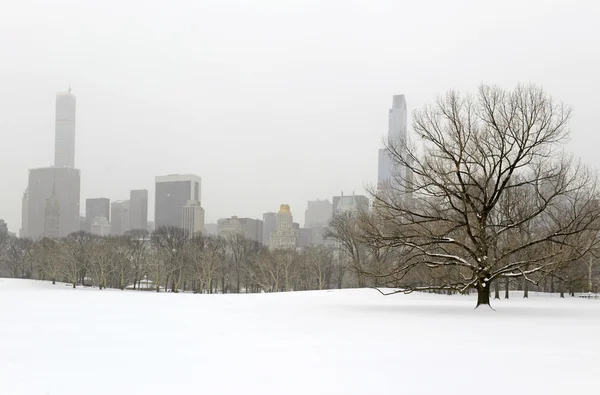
{"type": "Point", "coordinates": [270, 103]}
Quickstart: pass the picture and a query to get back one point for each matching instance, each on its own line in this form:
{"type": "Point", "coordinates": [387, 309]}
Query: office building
{"type": "Point", "coordinates": [64, 185]}
{"type": "Point", "coordinates": [304, 237]}
{"type": "Point", "coordinates": [250, 228]}
{"type": "Point", "coordinates": [192, 217]}
{"type": "Point", "coordinates": [24, 213]}
{"type": "Point", "coordinates": [269, 226]}
{"type": "Point", "coordinates": [150, 227]}
{"type": "Point", "coordinates": [3, 227]}
{"type": "Point", "coordinates": [119, 212]}
{"type": "Point", "coordinates": [227, 227]}
{"type": "Point", "coordinates": [64, 142]}
{"type": "Point", "coordinates": [138, 215]}
{"type": "Point", "coordinates": [318, 213]}
{"type": "Point", "coordinates": [253, 229]}
{"type": "Point", "coordinates": [172, 193]}
{"type": "Point", "coordinates": [358, 203]}
{"type": "Point", "coordinates": [96, 207]}
{"type": "Point", "coordinates": [395, 178]}
{"type": "Point", "coordinates": [285, 235]}
{"type": "Point", "coordinates": [100, 227]}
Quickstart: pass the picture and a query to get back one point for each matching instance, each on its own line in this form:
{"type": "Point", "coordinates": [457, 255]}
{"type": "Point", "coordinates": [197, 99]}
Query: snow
{"type": "Point", "coordinates": [55, 340]}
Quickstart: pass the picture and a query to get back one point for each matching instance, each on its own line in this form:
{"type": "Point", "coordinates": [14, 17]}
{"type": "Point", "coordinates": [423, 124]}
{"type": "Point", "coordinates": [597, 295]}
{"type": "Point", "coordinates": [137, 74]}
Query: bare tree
{"type": "Point", "coordinates": [318, 261]}
{"type": "Point", "coordinates": [344, 231]}
{"type": "Point", "coordinates": [76, 255]}
{"type": "Point", "coordinates": [46, 254]}
{"type": "Point", "coordinates": [478, 151]}
{"type": "Point", "coordinates": [170, 242]}
{"type": "Point", "coordinates": [18, 257]}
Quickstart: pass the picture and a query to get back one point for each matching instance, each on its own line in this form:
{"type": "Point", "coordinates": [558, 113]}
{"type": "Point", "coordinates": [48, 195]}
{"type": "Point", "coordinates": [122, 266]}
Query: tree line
{"type": "Point", "coordinates": [170, 260]}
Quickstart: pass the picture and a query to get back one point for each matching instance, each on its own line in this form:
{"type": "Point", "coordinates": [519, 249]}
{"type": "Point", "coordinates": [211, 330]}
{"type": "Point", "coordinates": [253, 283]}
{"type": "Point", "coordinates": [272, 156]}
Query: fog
{"type": "Point", "coordinates": [269, 102]}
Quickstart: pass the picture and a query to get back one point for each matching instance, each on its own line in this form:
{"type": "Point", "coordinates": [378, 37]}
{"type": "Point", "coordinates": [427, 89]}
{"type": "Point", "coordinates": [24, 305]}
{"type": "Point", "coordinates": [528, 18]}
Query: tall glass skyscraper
{"type": "Point", "coordinates": [64, 132]}
{"type": "Point", "coordinates": [391, 174]}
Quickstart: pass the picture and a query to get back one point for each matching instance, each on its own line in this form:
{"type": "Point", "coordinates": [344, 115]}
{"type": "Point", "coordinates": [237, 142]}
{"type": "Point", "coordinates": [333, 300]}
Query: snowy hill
{"type": "Point", "coordinates": [58, 341]}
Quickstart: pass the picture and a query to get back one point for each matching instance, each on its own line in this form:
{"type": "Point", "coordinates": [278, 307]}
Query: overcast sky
{"type": "Point", "coordinates": [269, 101]}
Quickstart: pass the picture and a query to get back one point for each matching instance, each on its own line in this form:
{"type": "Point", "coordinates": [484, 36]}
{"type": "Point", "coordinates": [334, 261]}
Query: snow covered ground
{"type": "Point", "coordinates": [55, 340]}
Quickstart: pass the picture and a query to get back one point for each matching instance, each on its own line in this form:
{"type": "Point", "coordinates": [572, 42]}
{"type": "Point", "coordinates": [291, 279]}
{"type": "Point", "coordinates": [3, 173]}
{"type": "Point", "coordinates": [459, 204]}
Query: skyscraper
{"type": "Point", "coordinates": [24, 213]}
{"type": "Point", "coordinates": [285, 235]}
{"type": "Point", "coordinates": [391, 175]}
{"type": "Point", "coordinates": [96, 207]}
{"type": "Point", "coordinates": [318, 213]}
{"type": "Point", "coordinates": [64, 137]}
{"type": "Point", "coordinates": [119, 212]}
{"type": "Point", "coordinates": [192, 217]}
{"type": "Point", "coordinates": [350, 203]}
{"type": "Point", "coordinates": [138, 215]}
{"type": "Point", "coordinates": [269, 226]}
{"type": "Point", "coordinates": [64, 185]}
{"type": "Point", "coordinates": [172, 193]}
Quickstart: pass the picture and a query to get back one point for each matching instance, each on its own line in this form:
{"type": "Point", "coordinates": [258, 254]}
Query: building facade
{"type": "Point", "coordinates": [192, 217]}
{"type": "Point", "coordinates": [100, 227]}
{"type": "Point", "coordinates": [227, 227]}
{"type": "Point", "coordinates": [64, 132]}
{"type": "Point", "coordinates": [350, 203]}
{"type": "Point", "coordinates": [318, 213]}
{"type": "Point", "coordinates": [64, 184]}
{"type": "Point", "coordinates": [250, 228]}
{"type": "Point", "coordinates": [393, 177]}
{"type": "Point", "coordinates": [119, 211]}
{"type": "Point", "coordinates": [24, 213]}
{"type": "Point", "coordinates": [285, 236]}
{"type": "Point", "coordinates": [138, 216]}
{"type": "Point", "coordinates": [269, 226]}
{"type": "Point", "coordinates": [96, 207]}
{"type": "Point", "coordinates": [172, 193]}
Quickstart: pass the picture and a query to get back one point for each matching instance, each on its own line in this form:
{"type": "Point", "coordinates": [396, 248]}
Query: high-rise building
{"type": "Point", "coordinates": [304, 237]}
{"type": "Point", "coordinates": [52, 218]}
{"type": "Point", "coordinates": [3, 227]}
{"type": "Point", "coordinates": [100, 227]}
{"type": "Point", "coordinates": [285, 235]}
{"type": "Point", "coordinates": [350, 203]}
{"type": "Point", "coordinates": [119, 212]}
{"type": "Point", "coordinates": [250, 228]}
{"type": "Point", "coordinates": [318, 213]}
{"type": "Point", "coordinates": [192, 217]}
{"type": "Point", "coordinates": [227, 227]}
{"type": "Point", "coordinates": [150, 227]}
{"type": "Point", "coordinates": [96, 207]}
{"type": "Point", "coordinates": [253, 229]}
{"type": "Point", "coordinates": [393, 176]}
{"type": "Point", "coordinates": [64, 142]}
{"type": "Point", "coordinates": [269, 226]}
{"type": "Point", "coordinates": [24, 213]}
{"type": "Point", "coordinates": [65, 183]}
{"type": "Point", "coordinates": [172, 193]}
{"type": "Point", "coordinates": [138, 216]}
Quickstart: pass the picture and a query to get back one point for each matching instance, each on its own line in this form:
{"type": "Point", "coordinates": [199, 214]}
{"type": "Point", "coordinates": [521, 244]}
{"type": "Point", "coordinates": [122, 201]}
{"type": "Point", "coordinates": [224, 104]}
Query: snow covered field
{"type": "Point", "coordinates": [56, 340]}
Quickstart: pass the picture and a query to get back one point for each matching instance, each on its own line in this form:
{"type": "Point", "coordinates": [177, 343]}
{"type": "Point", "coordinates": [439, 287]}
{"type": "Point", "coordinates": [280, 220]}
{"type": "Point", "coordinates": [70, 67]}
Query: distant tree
{"type": "Point", "coordinates": [76, 255]}
{"type": "Point", "coordinates": [344, 231]}
{"type": "Point", "coordinates": [17, 257]}
{"type": "Point", "coordinates": [47, 255]}
{"type": "Point", "coordinates": [170, 242]}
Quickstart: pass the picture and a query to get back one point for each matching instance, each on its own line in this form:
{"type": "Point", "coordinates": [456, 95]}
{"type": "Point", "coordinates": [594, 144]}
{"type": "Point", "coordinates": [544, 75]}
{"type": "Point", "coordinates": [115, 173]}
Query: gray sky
{"type": "Point", "coordinates": [269, 101]}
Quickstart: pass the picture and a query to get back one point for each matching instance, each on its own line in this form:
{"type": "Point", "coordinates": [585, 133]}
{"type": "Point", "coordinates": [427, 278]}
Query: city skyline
{"type": "Point", "coordinates": [236, 84]}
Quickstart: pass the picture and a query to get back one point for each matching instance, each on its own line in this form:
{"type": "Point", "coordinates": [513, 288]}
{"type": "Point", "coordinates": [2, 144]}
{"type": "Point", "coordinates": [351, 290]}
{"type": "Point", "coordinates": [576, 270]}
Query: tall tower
{"type": "Point", "coordinates": [138, 218]}
{"type": "Point", "coordinates": [52, 214]}
{"type": "Point", "coordinates": [392, 174]}
{"type": "Point", "coordinates": [64, 132]}
{"type": "Point", "coordinates": [285, 236]}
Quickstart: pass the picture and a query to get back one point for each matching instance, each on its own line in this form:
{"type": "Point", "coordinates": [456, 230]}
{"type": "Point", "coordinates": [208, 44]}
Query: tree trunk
{"type": "Point", "coordinates": [497, 289]}
{"type": "Point", "coordinates": [53, 281]}
{"type": "Point", "coordinates": [525, 288]}
{"type": "Point", "coordinates": [483, 295]}
{"type": "Point", "coordinates": [506, 288]}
